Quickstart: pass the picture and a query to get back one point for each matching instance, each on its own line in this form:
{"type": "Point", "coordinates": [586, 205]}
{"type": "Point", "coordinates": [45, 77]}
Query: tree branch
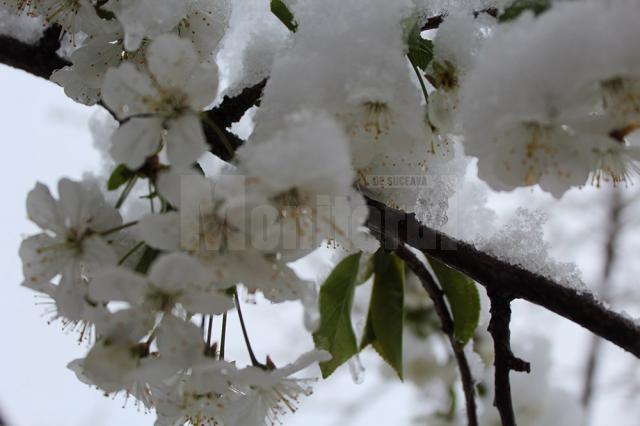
{"type": "Point", "coordinates": [504, 361]}
{"type": "Point", "coordinates": [222, 142]}
{"type": "Point", "coordinates": [498, 276]}
{"type": "Point", "coordinates": [434, 22]}
{"type": "Point", "coordinates": [440, 305]}
{"type": "Point", "coordinates": [437, 296]}
{"type": "Point", "coordinates": [39, 59]}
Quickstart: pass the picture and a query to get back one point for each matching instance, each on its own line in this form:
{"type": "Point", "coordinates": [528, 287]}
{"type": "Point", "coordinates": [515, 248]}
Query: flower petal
{"type": "Point", "coordinates": [161, 231]}
{"type": "Point", "coordinates": [135, 140]}
{"type": "Point", "coordinates": [118, 284]}
{"type": "Point", "coordinates": [43, 209]}
{"type": "Point", "coordinates": [185, 140]}
{"type": "Point", "coordinates": [172, 60]}
{"type": "Point", "coordinates": [177, 271]}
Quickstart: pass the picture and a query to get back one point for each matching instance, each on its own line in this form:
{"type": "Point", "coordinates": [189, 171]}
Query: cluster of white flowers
{"type": "Point", "coordinates": [553, 99]}
{"type": "Point", "coordinates": [542, 100]}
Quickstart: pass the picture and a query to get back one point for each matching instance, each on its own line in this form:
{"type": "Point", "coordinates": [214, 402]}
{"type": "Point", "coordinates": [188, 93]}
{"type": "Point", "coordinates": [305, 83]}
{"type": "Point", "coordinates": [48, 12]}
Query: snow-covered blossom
{"type": "Point", "coordinates": [551, 100]}
{"type": "Point", "coordinates": [311, 203]}
{"type": "Point", "coordinates": [161, 105]}
{"type": "Point", "coordinates": [147, 18]}
{"type": "Point", "coordinates": [345, 116]}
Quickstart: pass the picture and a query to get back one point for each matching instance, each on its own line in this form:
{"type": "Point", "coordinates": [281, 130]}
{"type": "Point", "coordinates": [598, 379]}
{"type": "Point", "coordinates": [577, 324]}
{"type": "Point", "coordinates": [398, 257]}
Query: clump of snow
{"type": "Point", "coordinates": [254, 36]}
{"type": "Point", "coordinates": [521, 242]}
{"type": "Point", "coordinates": [22, 27]}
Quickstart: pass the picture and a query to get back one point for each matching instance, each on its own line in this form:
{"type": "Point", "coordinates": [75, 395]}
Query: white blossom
{"type": "Point", "coordinates": [265, 395]}
{"type": "Point", "coordinates": [173, 279]}
{"type": "Point", "coordinates": [162, 105]}
{"type": "Point", "coordinates": [72, 242]}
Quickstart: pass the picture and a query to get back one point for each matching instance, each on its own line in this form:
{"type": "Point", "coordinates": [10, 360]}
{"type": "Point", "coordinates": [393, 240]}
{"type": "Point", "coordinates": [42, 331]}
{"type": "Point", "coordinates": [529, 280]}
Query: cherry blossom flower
{"type": "Point", "coordinates": [173, 279]}
{"type": "Point", "coordinates": [161, 105]}
{"type": "Point", "coordinates": [72, 242]}
{"type": "Point", "coordinates": [265, 395]}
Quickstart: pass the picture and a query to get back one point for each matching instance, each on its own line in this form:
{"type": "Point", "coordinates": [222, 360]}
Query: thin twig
{"type": "Point", "coordinates": [504, 361]}
{"type": "Point", "coordinates": [252, 356]}
{"type": "Point", "coordinates": [446, 321]}
{"type": "Point", "coordinates": [434, 22]}
{"type": "Point", "coordinates": [498, 275]}
{"type": "Point", "coordinates": [223, 336]}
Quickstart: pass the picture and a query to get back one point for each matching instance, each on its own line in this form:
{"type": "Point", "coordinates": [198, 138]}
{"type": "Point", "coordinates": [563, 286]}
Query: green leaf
{"type": "Point", "coordinates": [148, 256]}
{"type": "Point", "coordinates": [283, 13]}
{"type": "Point", "coordinates": [420, 50]}
{"type": "Point", "coordinates": [518, 7]}
{"type": "Point", "coordinates": [463, 297]}
{"type": "Point", "coordinates": [335, 333]}
{"type": "Point", "coordinates": [366, 269]}
{"type": "Point", "coordinates": [119, 177]}
{"type": "Point", "coordinates": [385, 321]}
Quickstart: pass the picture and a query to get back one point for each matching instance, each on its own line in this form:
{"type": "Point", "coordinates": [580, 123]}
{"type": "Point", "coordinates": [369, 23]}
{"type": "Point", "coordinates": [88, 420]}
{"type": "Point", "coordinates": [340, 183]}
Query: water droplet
{"type": "Point", "coordinates": [357, 369]}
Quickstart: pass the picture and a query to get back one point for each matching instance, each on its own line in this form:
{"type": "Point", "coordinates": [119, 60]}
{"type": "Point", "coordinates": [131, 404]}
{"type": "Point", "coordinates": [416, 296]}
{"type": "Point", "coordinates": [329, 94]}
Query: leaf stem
{"type": "Point", "coordinates": [126, 191]}
{"type": "Point", "coordinates": [252, 356]}
{"type": "Point", "coordinates": [209, 327]}
{"type": "Point", "coordinates": [130, 252]}
{"type": "Point", "coordinates": [223, 337]}
{"type": "Point", "coordinates": [223, 138]}
{"type": "Point", "coordinates": [422, 85]}
{"type": "Point", "coordinates": [117, 228]}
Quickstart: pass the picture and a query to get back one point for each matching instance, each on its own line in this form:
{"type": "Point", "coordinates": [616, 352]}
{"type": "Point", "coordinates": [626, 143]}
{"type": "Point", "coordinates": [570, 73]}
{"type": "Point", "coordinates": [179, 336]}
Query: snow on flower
{"type": "Point", "coordinates": [542, 129]}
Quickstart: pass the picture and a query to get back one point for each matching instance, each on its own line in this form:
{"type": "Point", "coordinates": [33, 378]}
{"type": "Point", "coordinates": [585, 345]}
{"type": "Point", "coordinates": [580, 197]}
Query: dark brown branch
{"type": "Point", "coordinates": [222, 142]}
{"type": "Point", "coordinates": [504, 361]}
{"type": "Point", "coordinates": [436, 295]}
{"type": "Point", "coordinates": [446, 320]}
{"type": "Point", "coordinates": [497, 275]}
{"type": "Point", "coordinates": [434, 22]}
{"type": "Point", "coordinates": [39, 59]}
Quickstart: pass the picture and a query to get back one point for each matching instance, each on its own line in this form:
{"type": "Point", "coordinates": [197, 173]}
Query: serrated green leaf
{"type": "Point", "coordinates": [463, 297]}
{"type": "Point", "coordinates": [518, 7]}
{"type": "Point", "coordinates": [419, 50]}
{"type": "Point", "coordinates": [383, 330]}
{"type": "Point", "coordinates": [119, 177]}
{"type": "Point", "coordinates": [282, 12]}
{"type": "Point", "coordinates": [335, 333]}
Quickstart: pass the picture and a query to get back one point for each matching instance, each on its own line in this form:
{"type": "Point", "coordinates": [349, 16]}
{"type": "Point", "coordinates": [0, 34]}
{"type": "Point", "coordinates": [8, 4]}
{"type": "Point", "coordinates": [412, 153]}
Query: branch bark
{"type": "Point", "coordinates": [434, 22]}
{"type": "Point", "coordinates": [222, 142]}
{"type": "Point", "coordinates": [40, 59]}
{"type": "Point", "coordinates": [504, 361]}
{"type": "Point", "coordinates": [498, 276]}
